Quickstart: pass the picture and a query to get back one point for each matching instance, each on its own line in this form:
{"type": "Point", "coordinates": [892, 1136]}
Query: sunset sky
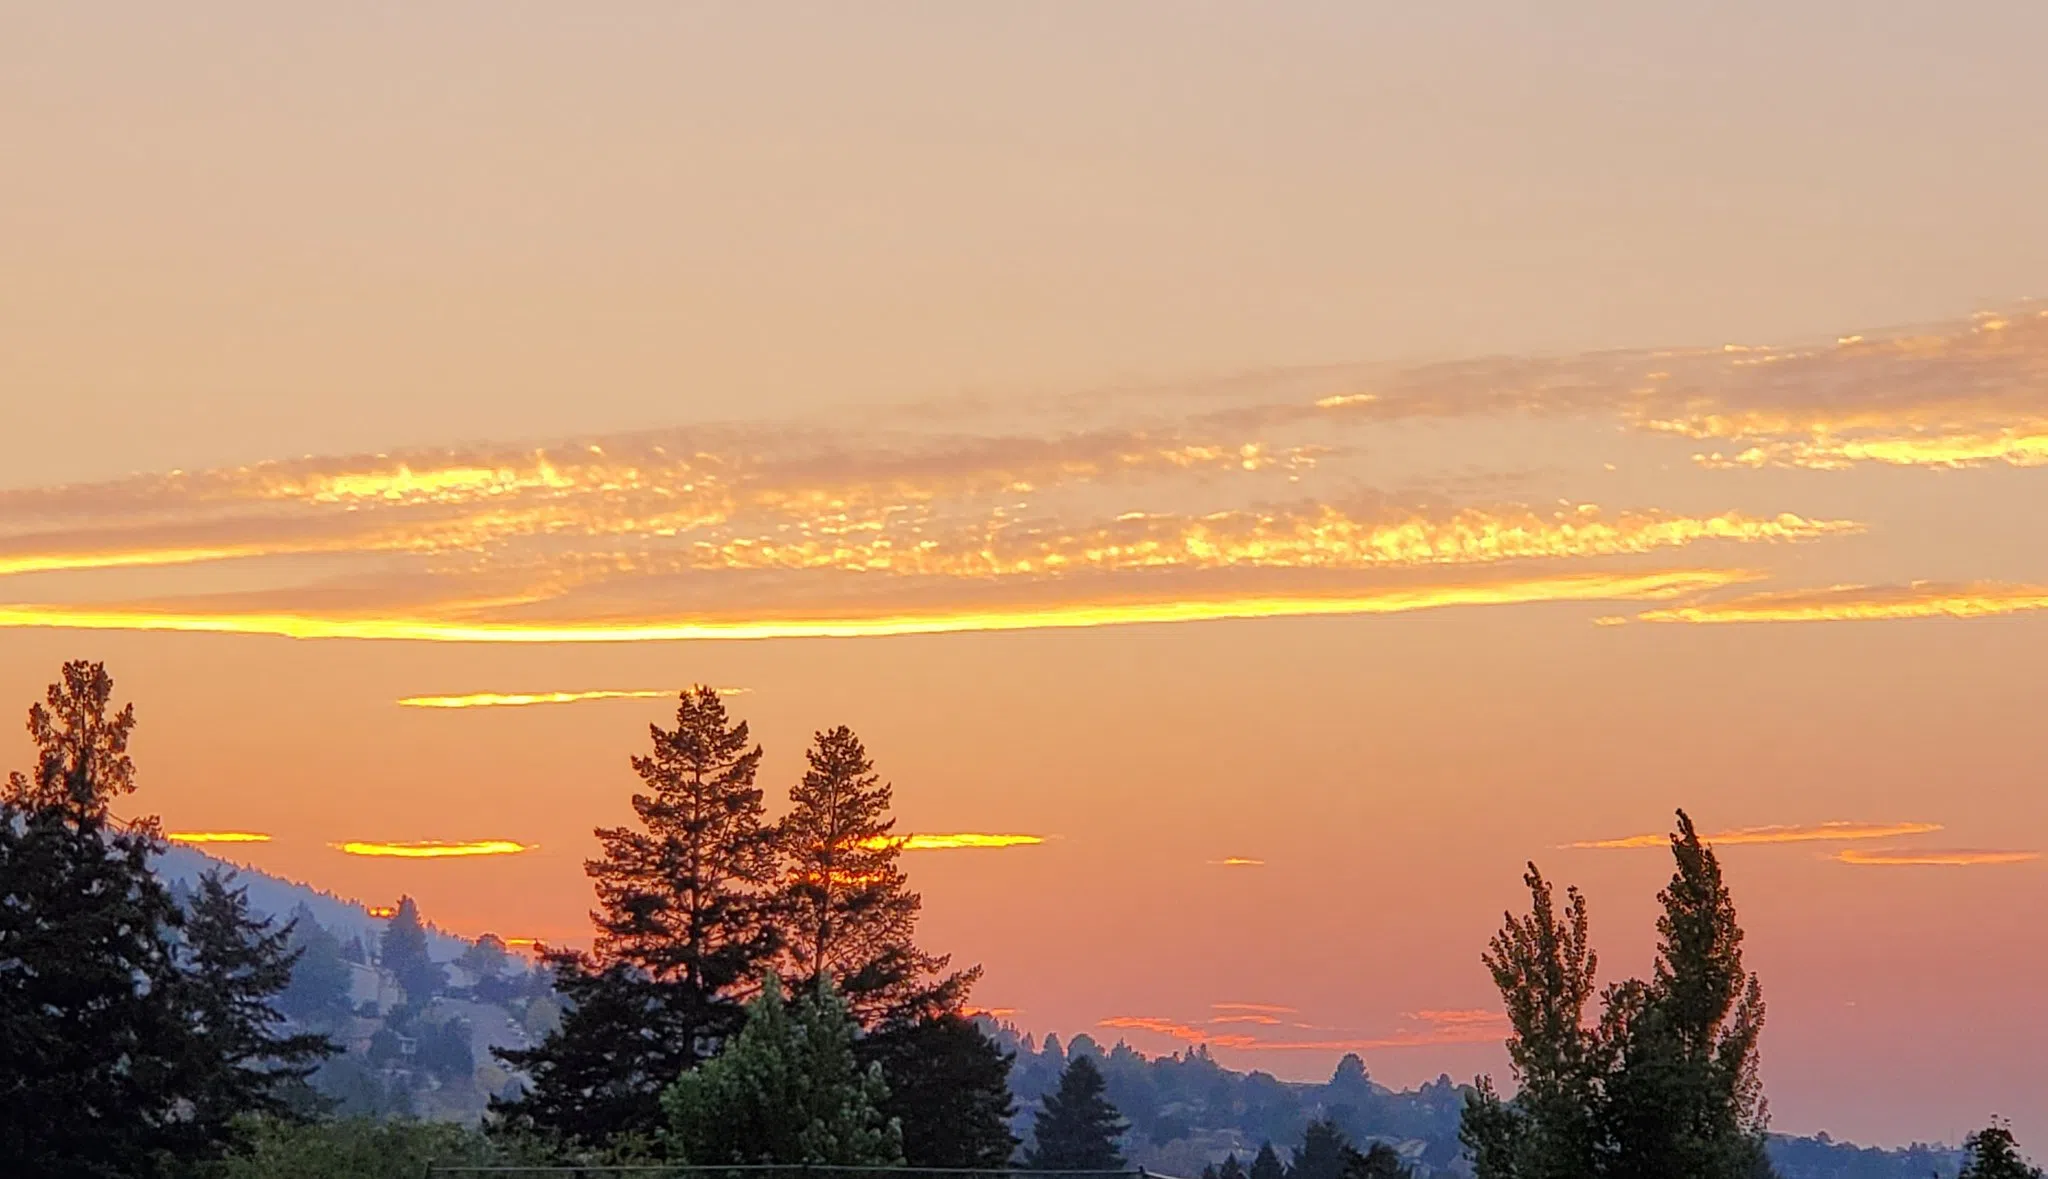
{"type": "Point", "coordinates": [1282, 467]}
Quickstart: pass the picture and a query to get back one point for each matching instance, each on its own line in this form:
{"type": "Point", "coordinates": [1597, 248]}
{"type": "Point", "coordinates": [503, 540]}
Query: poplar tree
{"type": "Point", "coordinates": [686, 901]}
{"type": "Point", "coordinates": [1077, 1128]}
{"type": "Point", "coordinates": [849, 910]}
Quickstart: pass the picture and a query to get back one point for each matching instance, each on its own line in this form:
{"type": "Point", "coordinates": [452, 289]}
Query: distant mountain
{"type": "Point", "coordinates": [278, 897]}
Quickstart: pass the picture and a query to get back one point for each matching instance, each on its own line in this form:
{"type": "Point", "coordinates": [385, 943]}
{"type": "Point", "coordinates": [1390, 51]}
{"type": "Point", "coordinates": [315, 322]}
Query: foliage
{"type": "Point", "coordinates": [403, 952]}
{"type": "Point", "coordinates": [366, 1148]}
{"type": "Point", "coordinates": [485, 958]}
{"type": "Point", "coordinates": [319, 986]}
{"type": "Point", "coordinates": [1266, 1164]}
{"type": "Point", "coordinates": [849, 910]}
{"type": "Point", "coordinates": [94, 1060]}
{"type": "Point", "coordinates": [788, 1090]}
{"type": "Point", "coordinates": [948, 1088]}
{"type": "Point", "coordinates": [684, 925]}
{"type": "Point", "coordinates": [1077, 1130]}
{"type": "Point", "coordinates": [1995, 1155]}
{"type": "Point", "coordinates": [1666, 1083]}
{"type": "Point", "coordinates": [235, 967]}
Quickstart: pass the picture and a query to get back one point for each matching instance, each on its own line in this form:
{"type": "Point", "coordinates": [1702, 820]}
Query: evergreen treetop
{"type": "Point", "coordinates": [1077, 1128]}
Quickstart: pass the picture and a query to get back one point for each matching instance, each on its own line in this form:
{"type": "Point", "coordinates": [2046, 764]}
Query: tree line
{"type": "Point", "coordinates": [755, 994]}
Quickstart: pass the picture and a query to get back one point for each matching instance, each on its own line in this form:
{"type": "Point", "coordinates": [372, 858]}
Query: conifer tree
{"type": "Point", "coordinates": [850, 914]}
{"type": "Point", "coordinates": [403, 951]}
{"type": "Point", "coordinates": [235, 967]}
{"type": "Point", "coordinates": [949, 1088]}
{"type": "Point", "coordinates": [788, 1090]}
{"type": "Point", "coordinates": [1077, 1128]}
{"type": "Point", "coordinates": [1266, 1164]}
{"type": "Point", "coordinates": [319, 987]}
{"type": "Point", "coordinates": [685, 924]}
{"type": "Point", "coordinates": [95, 1060]}
{"type": "Point", "coordinates": [1322, 1153]}
{"type": "Point", "coordinates": [1231, 1168]}
{"type": "Point", "coordinates": [1995, 1155]}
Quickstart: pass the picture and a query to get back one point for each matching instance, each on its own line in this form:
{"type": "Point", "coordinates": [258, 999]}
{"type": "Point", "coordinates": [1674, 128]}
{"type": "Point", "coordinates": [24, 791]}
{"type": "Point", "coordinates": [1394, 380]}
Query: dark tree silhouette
{"type": "Point", "coordinates": [1231, 1168]}
{"type": "Point", "coordinates": [1321, 1154]}
{"type": "Point", "coordinates": [850, 912]}
{"type": "Point", "coordinates": [319, 987]}
{"type": "Point", "coordinates": [95, 1059]}
{"type": "Point", "coordinates": [1266, 1164]}
{"type": "Point", "coordinates": [403, 952]}
{"type": "Point", "coordinates": [949, 1087]}
{"type": "Point", "coordinates": [1077, 1129]}
{"type": "Point", "coordinates": [236, 966]}
{"type": "Point", "coordinates": [684, 925]}
{"type": "Point", "coordinates": [1545, 967]}
{"type": "Point", "coordinates": [1379, 1161]}
{"type": "Point", "coordinates": [1995, 1155]}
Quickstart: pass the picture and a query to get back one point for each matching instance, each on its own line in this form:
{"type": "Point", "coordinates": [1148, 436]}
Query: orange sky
{"type": "Point", "coordinates": [1297, 465]}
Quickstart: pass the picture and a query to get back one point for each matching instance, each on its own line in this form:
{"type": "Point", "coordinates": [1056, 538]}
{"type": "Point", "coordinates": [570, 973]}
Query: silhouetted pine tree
{"type": "Point", "coordinates": [403, 951]}
{"type": "Point", "coordinates": [1995, 1155]}
{"type": "Point", "coordinates": [684, 927]}
{"type": "Point", "coordinates": [1266, 1164]}
{"type": "Point", "coordinates": [949, 1087]}
{"type": "Point", "coordinates": [1231, 1168]}
{"type": "Point", "coordinates": [319, 988]}
{"type": "Point", "coordinates": [96, 1064]}
{"type": "Point", "coordinates": [1077, 1128]}
{"type": "Point", "coordinates": [235, 966]}
{"type": "Point", "coordinates": [1321, 1153]}
{"type": "Point", "coordinates": [850, 914]}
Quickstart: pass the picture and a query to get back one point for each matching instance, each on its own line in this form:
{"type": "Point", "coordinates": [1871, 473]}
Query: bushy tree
{"type": "Point", "coordinates": [1077, 1128]}
{"type": "Point", "coordinates": [1995, 1155]}
{"type": "Point", "coordinates": [1666, 1083]}
{"type": "Point", "coordinates": [949, 1088]}
{"type": "Point", "coordinates": [788, 1090]}
{"type": "Point", "coordinates": [1321, 1154]}
{"type": "Point", "coordinates": [235, 966]}
{"type": "Point", "coordinates": [684, 924]}
{"type": "Point", "coordinates": [850, 914]}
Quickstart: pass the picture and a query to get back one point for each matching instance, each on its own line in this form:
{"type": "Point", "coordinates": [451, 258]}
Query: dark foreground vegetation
{"type": "Point", "coordinates": [755, 994]}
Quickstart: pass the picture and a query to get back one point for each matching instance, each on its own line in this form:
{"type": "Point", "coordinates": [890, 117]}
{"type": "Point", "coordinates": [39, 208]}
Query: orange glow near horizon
{"type": "Point", "coordinates": [1788, 833]}
{"type": "Point", "coordinates": [1885, 857]}
{"type": "Point", "coordinates": [217, 837]}
{"type": "Point", "coordinates": [434, 849]}
{"type": "Point", "coordinates": [381, 911]}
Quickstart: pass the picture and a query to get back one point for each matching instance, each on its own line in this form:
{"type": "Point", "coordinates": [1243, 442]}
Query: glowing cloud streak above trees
{"type": "Point", "coordinates": [433, 849]}
{"type": "Point", "coordinates": [520, 699]}
{"type": "Point", "coordinates": [1835, 831]}
{"type": "Point", "coordinates": [1886, 857]}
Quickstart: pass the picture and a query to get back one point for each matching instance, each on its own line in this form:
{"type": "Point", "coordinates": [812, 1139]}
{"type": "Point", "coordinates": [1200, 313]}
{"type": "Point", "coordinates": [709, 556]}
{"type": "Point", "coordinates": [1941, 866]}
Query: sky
{"type": "Point", "coordinates": [1299, 463]}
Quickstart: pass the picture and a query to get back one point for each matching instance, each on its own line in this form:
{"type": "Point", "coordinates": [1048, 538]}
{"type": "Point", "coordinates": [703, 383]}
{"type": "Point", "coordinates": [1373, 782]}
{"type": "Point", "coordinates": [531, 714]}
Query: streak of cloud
{"type": "Point", "coordinates": [1190, 607]}
{"type": "Point", "coordinates": [1829, 832]}
{"type": "Point", "coordinates": [1865, 603]}
{"type": "Point", "coordinates": [217, 837]}
{"type": "Point", "coordinates": [434, 849]}
{"type": "Point", "coordinates": [1237, 862]}
{"type": "Point", "coordinates": [1426, 1028]}
{"type": "Point", "coordinates": [1890, 857]}
{"type": "Point", "coordinates": [951, 842]}
{"type": "Point", "coordinates": [1264, 1008]}
{"type": "Point", "coordinates": [519, 699]}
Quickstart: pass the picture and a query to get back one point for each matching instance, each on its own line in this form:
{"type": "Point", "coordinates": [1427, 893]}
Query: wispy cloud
{"type": "Point", "coordinates": [1237, 862]}
{"type": "Point", "coordinates": [520, 699]}
{"type": "Point", "coordinates": [1919, 857]}
{"type": "Point", "coordinates": [1865, 603]}
{"type": "Point", "coordinates": [217, 837]}
{"type": "Point", "coordinates": [1829, 832]}
{"type": "Point", "coordinates": [954, 841]}
{"type": "Point", "coordinates": [435, 849]}
{"type": "Point", "coordinates": [1265, 1008]}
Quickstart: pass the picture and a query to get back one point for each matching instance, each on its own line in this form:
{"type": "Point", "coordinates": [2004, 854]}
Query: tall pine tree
{"type": "Point", "coordinates": [96, 1065]}
{"type": "Point", "coordinates": [403, 951]}
{"type": "Point", "coordinates": [236, 966]}
{"type": "Point", "coordinates": [686, 901]}
{"type": "Point", "coordinates": [850, 914]}
{"type": "Point", "coordinates": [1077, 1128]}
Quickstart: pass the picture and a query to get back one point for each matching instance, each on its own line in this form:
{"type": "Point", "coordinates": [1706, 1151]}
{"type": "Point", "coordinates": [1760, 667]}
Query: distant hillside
{"type": "Point", "coordinates": [277, 897]}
